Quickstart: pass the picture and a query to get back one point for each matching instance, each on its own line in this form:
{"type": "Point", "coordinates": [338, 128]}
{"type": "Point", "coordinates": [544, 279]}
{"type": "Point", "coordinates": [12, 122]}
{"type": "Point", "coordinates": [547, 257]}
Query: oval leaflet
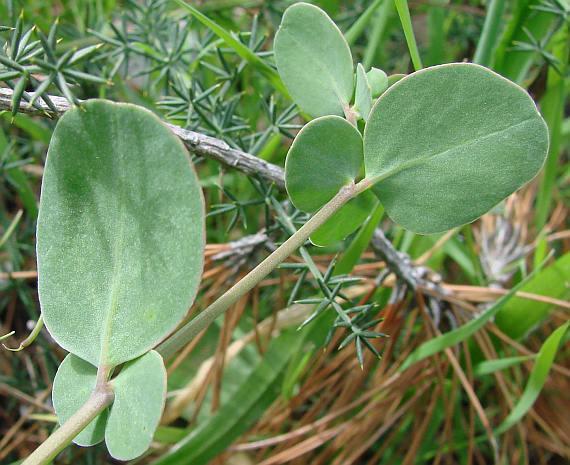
{"type": "Point", "coordinates": [446, 144]}
{"type": "Point", "coordinates": [120, 233]}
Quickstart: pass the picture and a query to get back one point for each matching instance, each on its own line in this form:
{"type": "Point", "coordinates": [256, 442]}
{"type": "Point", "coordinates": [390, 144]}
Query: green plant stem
{"type": "Point", "coordinates": [351, 115]}
{"type": "Point", "coordinates": [490, 34]}
{"type": "Point", "coordinates": [406, 20]}
{"type": "Point", "coordinates": [358, 28]}
{"type": "Point", "coordinates": [436, 34]}
{"type": "Point", "coordinates": [11, 228]}
{"type": "Point", "coordinates": [53, 445]}
{"type": "Point", "coordinates": [101, 398]}
{"type": "Point", "coordinates": [311, 265]}
{"type": "Point", "coordinates": [218, 5]}
{"type": "Point", "coordinates": [379, 25]}
{"type": "Point", "coordinates": [552, 107]}
{"type": "Point", "coordinates": [30, 339]}
{"type": "Point", "coordinates": [189, 331]}
{"type": "Point", "coordinates": [6, 336]}
{"type": "Point", "coordinates": [514, 64]}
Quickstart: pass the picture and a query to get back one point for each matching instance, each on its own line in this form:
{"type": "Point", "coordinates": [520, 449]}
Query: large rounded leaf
{"type": "Point", "coordinates": [120, 232]}
{"type": "Point", "coordinates": [314, 61]}
{"type": "Point", "coordinates": [140, 393]}
{"type": "Point", "coordinates": [447, 143]}
{"type": "Point", "coordinates": [73, 384]}
{"type": "Point", "coordinates": [325, 155]}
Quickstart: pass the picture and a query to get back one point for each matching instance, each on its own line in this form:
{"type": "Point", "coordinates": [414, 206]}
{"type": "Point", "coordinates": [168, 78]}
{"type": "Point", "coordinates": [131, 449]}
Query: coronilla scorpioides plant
{"type": "Point", "coordinates": [120, 235]}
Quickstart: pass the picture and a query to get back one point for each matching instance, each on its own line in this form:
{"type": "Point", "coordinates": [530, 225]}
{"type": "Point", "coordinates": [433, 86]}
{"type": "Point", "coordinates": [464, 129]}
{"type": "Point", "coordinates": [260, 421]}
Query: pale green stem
{"type": "Point", "coordinates": [30, 339]}
{"type": "Point", "coordinates": [189, 331]}
{"type": "Point", "coordinates": [60, 439]}
{"type": "Point", "coordinates": [6, 336]}
{"type": "Point", "coordinates": [101, 398]}
{"type": "Point", "coordinates": [351, 115]}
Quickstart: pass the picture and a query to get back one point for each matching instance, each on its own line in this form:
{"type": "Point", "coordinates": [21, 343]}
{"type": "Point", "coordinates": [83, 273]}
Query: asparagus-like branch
{"type": "Point", "coordinates": [210, 147]}
{"type": "Point", "coordinates": [200, 144]}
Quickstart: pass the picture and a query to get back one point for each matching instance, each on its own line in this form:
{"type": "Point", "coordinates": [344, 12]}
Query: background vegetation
{"type": "Point", "coordinates": [253, 388]}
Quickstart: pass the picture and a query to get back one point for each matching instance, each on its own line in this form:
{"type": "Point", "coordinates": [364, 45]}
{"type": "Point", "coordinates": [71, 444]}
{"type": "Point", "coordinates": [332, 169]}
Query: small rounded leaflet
{"type": "Point", "coordinates": [447, 143]}
{"type": "Point", "coordinates": [325, 156]}
{"type": "Point", "coordinates": [314, 61]}
{"type": "Point", "coordinates": [128, 425]}
{"type": "Point", "coordinates": [140, 394]}
{"type": "Point", "coordinates": [73, 384]}
{"type": "Point", "coordinates": [378, 81]}
{"type": "Point", "coordinates": [120, 235]}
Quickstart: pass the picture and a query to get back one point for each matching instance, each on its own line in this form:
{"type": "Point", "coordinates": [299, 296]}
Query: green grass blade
{"type": "Point", "coordinates": [490, 34]}
{"type": "Point", "coordinates": [406, 20]}
{"type": "Point", "coordinates": [378, 29]}
{"type": "Point", "coordinates": [360, 25]}
{"type": "Point", "coordinates": [243, 51]}
{"type": "Point", "coordinates": [516, 64]}
{"type": "Point", "coordinates": [538, 376]}
{"type": "Point", "coordinates": [34, 128]}
{"type": "Point", "coordinates": [169, 434]}
{"type": "Point", "coordinates": [491, 366]}
{"type": "Point", "coordinates": [552, 107]}
{"type": "Point", "coordinates": [520, 315]}
{"type": "Point", "coordinates": [451, 338]}
{"type": "Point", "coordinates": [248, 403]}
{"type": "Point", "coordinates": [437, 35]}
{"type": "Point", "coordinates": [19, 180]}
{"type": "Point", "coordinates": [10, 229]}
{"type": "Point", "coordinates": [520, 11]}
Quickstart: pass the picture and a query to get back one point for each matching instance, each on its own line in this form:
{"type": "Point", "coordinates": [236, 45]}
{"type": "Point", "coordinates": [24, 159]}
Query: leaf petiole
{"type": "Point", "coordinates": [189, 331]}
{"type": "Point", "coordinates": [101, 398]}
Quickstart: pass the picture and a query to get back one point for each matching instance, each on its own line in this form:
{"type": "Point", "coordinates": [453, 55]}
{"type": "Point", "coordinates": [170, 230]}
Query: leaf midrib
{"type": "Point", "coordinates": [424, 159]}
{"type": "Point", "coordinates": [118, 247]}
